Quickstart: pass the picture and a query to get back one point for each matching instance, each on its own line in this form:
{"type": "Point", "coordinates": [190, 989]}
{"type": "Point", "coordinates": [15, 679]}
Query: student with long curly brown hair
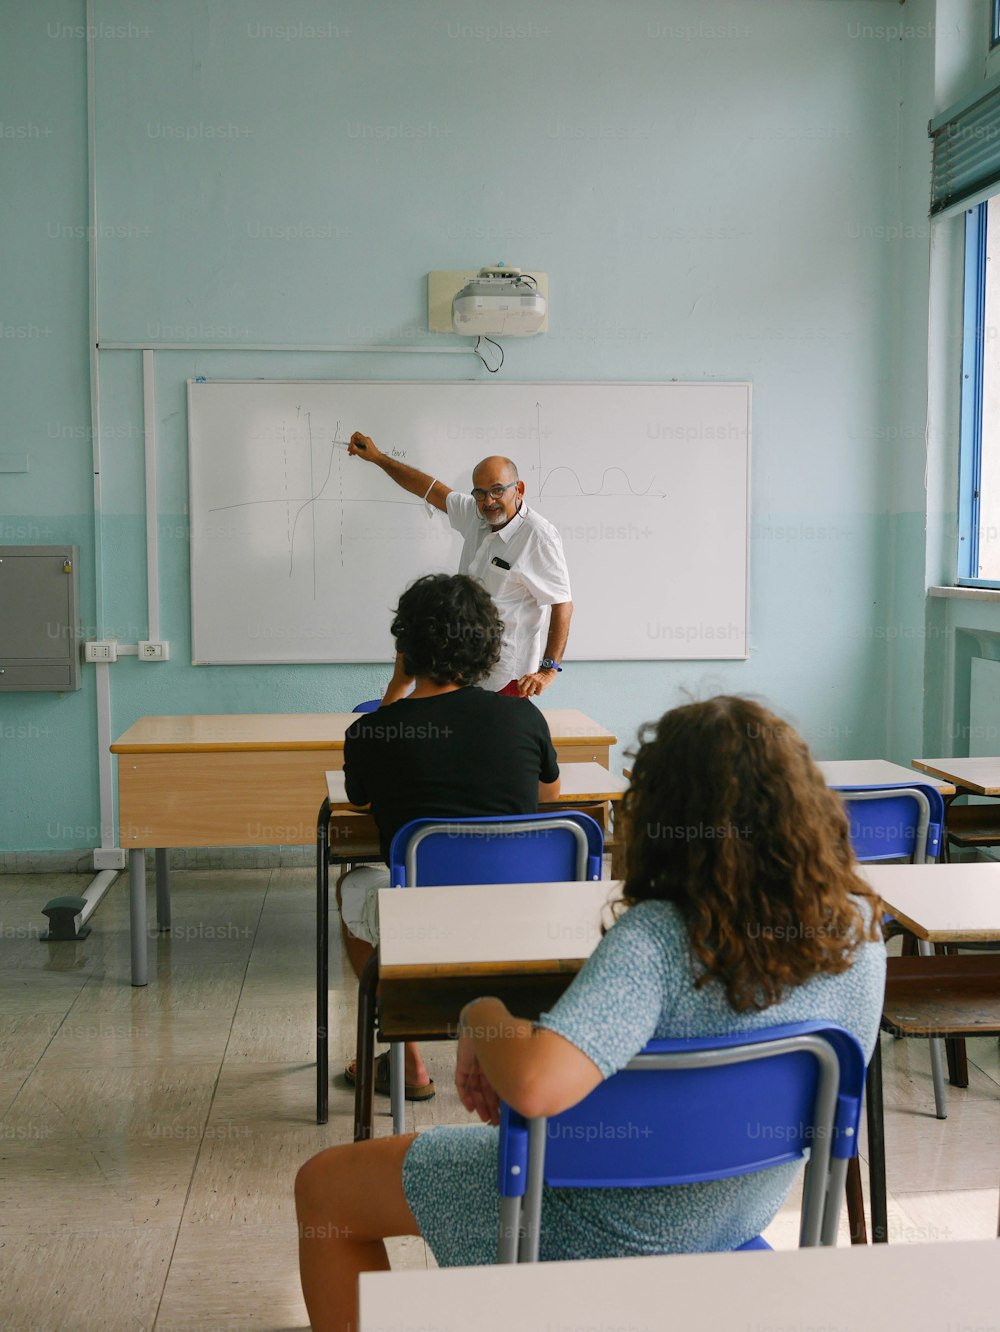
{"type": "Point", "coordinates": [742, 909]}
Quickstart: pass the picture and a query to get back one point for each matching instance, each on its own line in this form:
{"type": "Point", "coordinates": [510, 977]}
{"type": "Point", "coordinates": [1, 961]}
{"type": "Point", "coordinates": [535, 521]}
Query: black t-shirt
{"type": "Point", "coordinates": [454, 755]}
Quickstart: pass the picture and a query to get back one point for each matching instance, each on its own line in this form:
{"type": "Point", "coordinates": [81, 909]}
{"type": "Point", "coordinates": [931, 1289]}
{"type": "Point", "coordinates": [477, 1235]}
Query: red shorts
{"type": "Point", "coordinates": [511, 690]}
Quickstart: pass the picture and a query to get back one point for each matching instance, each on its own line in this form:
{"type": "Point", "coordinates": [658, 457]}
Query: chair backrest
{"type": "Point", "coordinates": [689, 1110]}
{"type": "Point", "coordinates": [516, 848]}
{"type": "Point", "coordinates": [372, 705]}
{"type": "Point", "coordinates": [895, 822]}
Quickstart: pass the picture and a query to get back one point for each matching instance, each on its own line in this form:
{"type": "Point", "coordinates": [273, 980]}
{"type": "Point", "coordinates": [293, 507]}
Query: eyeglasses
{"type": "Point", "coordinates": [494, 492]}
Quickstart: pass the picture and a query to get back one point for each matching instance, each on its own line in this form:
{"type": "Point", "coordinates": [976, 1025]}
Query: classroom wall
{"type": "Point", "coordinates": [710, 186]}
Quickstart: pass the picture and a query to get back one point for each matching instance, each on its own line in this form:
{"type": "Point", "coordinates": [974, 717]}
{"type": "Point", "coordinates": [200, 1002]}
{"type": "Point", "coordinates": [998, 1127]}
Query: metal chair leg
{"type": "Point", "coordinates": [397, 1087]}
{"type": "Point", "coordinates": [958, 1061]}
{"type": "Point", "coordinates": [137, 915]}
{"type": "Point", "coordinates": [936, 1045]}
{"type": "Point", "coordinates": [876, 1148]}
{"type": "Point", "coordinates": [855, 1202]}
{"type": "Point", "coordinates": [364, 1087]}
{"type": "Point", "coordinates": [323, 965]}
{"type": "Point", "coordinates": [162, 888]}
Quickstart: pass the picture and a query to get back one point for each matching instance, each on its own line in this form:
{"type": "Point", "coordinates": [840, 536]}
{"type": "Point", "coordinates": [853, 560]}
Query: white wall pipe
{"type": "Point", "coordinates": [152, 520]}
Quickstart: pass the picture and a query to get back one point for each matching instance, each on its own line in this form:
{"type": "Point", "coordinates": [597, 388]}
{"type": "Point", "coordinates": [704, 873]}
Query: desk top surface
{"type": "Point", "coordinates": [876, 772]}
{"type": "Point", "coordinates": [581, 782]}
{"type": "Point", "coordinates": [299, 731]}
{"type": "Point", "coordinates": [981, 775]}
{"type": "Point", "coordinates": [466, 929]}
{"type": "Point", "coordinates": [861, 1288]}
{"type": "Point", "coordinates": [942, 903]}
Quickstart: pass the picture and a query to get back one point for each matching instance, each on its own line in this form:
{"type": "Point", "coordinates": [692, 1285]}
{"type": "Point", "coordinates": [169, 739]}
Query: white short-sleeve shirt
{"type": "Point", "coordinates": [524, 570]}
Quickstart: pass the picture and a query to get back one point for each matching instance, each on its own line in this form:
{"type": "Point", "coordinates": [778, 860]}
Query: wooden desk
{"type": "Point", "coordinates": [523, 942]}
{"type": "Point", "coordinates": [248, 780]}
{"type": "Point", "coordinates": [875, 772]}
{"type": "Point", "coordinates": [933, 996]}
{"type": "Point", "coordinates": [919, 1287]}
{"type": "Point", "coordinates": [258, 780]}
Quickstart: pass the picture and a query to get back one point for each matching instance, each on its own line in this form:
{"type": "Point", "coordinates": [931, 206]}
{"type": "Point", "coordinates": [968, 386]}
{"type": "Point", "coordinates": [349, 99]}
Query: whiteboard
{"type": "Point", "coordinates": [299, 552]}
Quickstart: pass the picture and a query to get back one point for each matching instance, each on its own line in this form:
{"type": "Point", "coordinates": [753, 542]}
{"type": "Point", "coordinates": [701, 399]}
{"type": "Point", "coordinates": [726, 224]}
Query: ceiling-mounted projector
{"type": "Point", "coordinates": [499, 300]}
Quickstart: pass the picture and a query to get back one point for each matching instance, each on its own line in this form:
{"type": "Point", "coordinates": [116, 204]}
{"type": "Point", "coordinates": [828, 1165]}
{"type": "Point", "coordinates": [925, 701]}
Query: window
{"type": "Point", "coordinates": [979, 491]}
{"type": "Point", "coordinates": [994, 23]}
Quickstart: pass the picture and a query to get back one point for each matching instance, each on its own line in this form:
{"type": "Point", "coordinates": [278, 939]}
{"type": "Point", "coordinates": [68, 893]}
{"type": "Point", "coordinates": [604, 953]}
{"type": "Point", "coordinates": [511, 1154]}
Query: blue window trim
{"type": "Point", "coordinates": [970, 450]}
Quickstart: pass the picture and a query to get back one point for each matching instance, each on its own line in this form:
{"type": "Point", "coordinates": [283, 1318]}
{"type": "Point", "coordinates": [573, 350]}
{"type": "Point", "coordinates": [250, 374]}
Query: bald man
{"type": "Point", "coordinates": [514, 552]}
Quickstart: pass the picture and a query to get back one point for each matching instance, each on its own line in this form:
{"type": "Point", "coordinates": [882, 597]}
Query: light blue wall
{"type": "Point", "coordinates": [47, 741]}
{"type": "Point", "coordinates": [708, 186]}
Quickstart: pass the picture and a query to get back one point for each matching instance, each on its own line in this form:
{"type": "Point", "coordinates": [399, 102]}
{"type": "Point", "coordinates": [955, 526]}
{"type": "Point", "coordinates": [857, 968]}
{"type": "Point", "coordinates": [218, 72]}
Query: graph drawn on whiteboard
{"type": "Point", "coordinates": [299, 551]}
{"type": "Point", "coordinates": [298, 506]}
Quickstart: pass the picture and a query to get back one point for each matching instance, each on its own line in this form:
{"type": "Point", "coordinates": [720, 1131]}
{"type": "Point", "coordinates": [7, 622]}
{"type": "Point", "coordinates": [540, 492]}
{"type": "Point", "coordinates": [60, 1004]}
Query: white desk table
{"type": "Point", "coordinates": [951, 904]}
{"type": "Point", "coordinates": [916, 1287]}
{"type": "Point", "coordinates": [980, 776]}
{"type": "Point", "coordinates": [877, 772]}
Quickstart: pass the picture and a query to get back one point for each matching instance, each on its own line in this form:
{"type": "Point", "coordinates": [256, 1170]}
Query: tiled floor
{"type": "Point", "coordinates": [149, 1137]}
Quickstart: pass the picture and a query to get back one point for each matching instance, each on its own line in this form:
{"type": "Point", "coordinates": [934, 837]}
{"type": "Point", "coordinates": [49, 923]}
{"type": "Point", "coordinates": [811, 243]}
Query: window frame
{"type": "Point", "coordinates": [970, 453]}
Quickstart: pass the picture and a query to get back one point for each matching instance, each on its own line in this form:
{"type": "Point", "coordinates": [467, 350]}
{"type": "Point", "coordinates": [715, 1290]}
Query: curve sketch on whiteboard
{"type": "Point", "coordinates": [602, 491]}
{"type": "Point", "coordinates": [313, 498]}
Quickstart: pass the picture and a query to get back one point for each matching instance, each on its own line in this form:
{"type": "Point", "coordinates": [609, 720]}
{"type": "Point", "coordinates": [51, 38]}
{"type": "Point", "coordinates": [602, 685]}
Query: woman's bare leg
{"type": "Point", "coordinates": [348, 1199]}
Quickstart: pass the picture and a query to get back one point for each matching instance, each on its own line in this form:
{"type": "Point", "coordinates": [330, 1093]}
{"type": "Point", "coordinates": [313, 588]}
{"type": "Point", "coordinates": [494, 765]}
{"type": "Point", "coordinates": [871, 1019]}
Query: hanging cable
{"type": "Point", "coordinates": [492, 369]}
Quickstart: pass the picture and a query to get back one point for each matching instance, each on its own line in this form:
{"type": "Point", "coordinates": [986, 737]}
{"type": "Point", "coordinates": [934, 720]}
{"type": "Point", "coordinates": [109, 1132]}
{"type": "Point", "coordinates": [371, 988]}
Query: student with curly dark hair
{"type": "Point", "coordinates": [447, 750]}
{"type": "Point", "coordinates": [446, 630]}
{"type": "Point", "coordinates": [742, 910]}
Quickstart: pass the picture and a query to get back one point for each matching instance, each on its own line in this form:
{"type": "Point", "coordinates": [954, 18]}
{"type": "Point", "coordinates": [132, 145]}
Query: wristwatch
{"type": "Point", "coordinates": [549, 664]}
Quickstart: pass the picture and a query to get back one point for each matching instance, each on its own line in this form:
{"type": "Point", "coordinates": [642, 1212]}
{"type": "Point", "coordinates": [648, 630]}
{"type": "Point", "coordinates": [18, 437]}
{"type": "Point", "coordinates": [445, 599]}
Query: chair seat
{"type": "Point", "coordinates": [974, 825]}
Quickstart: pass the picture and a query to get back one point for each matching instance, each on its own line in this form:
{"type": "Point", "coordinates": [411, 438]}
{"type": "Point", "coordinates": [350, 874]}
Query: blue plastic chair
{"type": "Point", "coordinates": [693, 1110]}
{"type": "Point", "coordinates": [895, 822]}
{"type": "Point", "coordinates": [512, 848]}
{"type": "Point", "coordinates": [901, 823]}
{"type": "Point", "coordinates": [554, 847]}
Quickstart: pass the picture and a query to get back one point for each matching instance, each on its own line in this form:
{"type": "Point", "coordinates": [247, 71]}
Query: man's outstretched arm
{"type": "Point", "coordinates": [410, 478]}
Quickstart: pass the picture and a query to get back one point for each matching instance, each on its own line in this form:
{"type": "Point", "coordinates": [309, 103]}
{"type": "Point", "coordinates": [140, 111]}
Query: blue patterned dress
{"type": "Point", "coordinates": [639, 984]}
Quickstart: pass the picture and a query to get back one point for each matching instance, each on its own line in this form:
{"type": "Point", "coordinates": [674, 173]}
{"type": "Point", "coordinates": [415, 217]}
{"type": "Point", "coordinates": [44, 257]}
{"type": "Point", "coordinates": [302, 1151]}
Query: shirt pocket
{"type": "Point", "coordinates": [499, 583]}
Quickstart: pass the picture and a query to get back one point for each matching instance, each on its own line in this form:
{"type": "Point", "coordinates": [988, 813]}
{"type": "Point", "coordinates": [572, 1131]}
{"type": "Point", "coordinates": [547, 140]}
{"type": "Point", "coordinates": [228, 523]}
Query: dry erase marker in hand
{"type": "Point", "coordinates": [346, 444]}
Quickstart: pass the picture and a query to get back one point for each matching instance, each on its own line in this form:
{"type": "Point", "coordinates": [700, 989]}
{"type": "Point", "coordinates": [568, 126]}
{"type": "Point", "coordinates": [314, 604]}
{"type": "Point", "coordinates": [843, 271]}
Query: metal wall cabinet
{"type": "Point", "coordinates": [39, 618]}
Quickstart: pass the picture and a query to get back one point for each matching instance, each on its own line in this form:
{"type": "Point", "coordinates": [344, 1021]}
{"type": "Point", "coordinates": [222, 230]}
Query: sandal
{"type": "Point", "coordinates": [425, 1092]}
